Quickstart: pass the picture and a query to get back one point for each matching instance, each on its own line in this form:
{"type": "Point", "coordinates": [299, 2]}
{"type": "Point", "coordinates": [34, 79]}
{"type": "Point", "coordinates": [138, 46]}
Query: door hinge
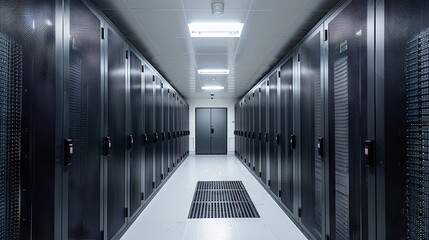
{"type": "Point", "coordinates": [103, 35]}
{"type": "Point", "coordinates": [260, 174]}
{"type": "Point", "coordinates": [162, 176]}
{"type": "Point", "coordinates": [142, 195]}
{"type": "Point", "coordinates": [299, 212]}
{"type": "Point", "coordinates": [278, 74]}
{"type": "Point", "coordinates": [299, 57]}
{"type": "Point", "coordinates": [126, 54]}
{"type": "Point", "coordinates": [102, 235]}
{"type": "Point", "coordinates": [327, 237]}
{"type": "Point", "coordinates": [153, 184]}
{"type": "Point", "coordinates": [325, 35]}
{"type": "Point", "coordinates": [162, 85]}
{"type": "Point", "coordinates": [280, 193]}
{"type": "Point", "coordinates": [143, 68]}
{"type": "Point", "coordinates": [269, 183]}
{"type": "Point", "coordinates": [268, 83]}
{"type": "Point", "coordinates": [125, 212]}
{"type": "Point", "coordinates": [153, 78]}
{"type": "Point", "coordinates": [253, 168]}
{"type": "Point", "coordinates": [259, 89]}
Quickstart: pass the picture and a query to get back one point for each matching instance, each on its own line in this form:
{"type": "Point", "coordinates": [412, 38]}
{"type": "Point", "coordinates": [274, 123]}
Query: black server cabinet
{"type": "Point", "coordinates": [171, 134]}
{"type": "Point", "coordinates": [273, 136]}
{"type": "Point", "coordinates": [167, 120]}
{"type": "Point", "coordinates": [251, 132]}
{"type": "Point", "coordinates": [347, 120]}
{"type": "Point", "coordinates": [402, 93]}
{"type": "Point", "coordinates": [257, 142]}
{"type": "Point", "coordinates": [312, 142]}
{"type": "Point", "coordinates": [158, 131]}
{"type": "Point", "coordinates": [29, 107]}
{"type": "Point", "coordinates": [239, 130]}
{"type": "Point", "coordinates": [264, 132]}
{"type": "Point", "coordinates": [136, 130]}
{"type": "Point", "coordinates": [149, 130]}
{"type": "Point", "coordinates": [116, 137]}
{"type": "Point", "coordinates": [83, 125]}
{"type": "Point", "coordinates": [288, 140]}
{"type": "Point", "coordinates": [235, 130]}
{"type": "Point", "coordinates": [246, 129]}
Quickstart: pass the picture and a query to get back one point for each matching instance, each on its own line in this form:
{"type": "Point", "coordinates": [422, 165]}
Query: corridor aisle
{"type": "Point", "coordinates": [166, 217]}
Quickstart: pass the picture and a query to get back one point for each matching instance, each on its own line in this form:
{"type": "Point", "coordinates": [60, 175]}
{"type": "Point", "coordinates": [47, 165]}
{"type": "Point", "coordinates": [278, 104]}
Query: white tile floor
{"type": "Point", "coordinates": [166, 215]}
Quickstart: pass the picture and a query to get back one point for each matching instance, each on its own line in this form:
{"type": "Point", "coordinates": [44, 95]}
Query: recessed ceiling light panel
{"type": "Point", "coordinates": [213, 87]}
{"type": "Point", "coordinates": [215, 29]}
{"type": "Point", "coordinates": [213, 71]}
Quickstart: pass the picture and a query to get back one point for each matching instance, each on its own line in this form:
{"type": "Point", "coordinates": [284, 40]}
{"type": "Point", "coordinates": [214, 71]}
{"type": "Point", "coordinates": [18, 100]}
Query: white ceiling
{"type": "Point", "coordinates": [158, 28]}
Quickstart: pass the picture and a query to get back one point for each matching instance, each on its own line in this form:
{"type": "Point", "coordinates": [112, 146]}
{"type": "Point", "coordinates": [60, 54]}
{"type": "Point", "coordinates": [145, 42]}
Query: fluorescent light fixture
{"type": "Point", "coordinates": [213, 71]}
{"type": "Point", "coordinates": [215, 29]}
{"type": "Point", "coordinates": [213, 88]}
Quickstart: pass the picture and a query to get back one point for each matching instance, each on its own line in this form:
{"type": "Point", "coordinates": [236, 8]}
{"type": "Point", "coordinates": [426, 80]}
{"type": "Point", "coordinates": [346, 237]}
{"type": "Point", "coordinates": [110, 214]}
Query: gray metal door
{"type": "Point", "coordinates": [202, 131]}
{"type": "Point", "coordinates": [218, 131]}
{"type": "Point", "coordinates": [211, 130]}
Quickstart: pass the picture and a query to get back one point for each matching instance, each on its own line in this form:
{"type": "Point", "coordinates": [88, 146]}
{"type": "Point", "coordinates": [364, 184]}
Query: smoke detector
{"type": "Point", "coordinates": [218, 8]}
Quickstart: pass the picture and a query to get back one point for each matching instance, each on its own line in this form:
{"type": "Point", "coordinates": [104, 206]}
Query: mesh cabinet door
{"type": "Point", "coordinates": [116, 163]}
{"type": "Point", "coordinates": [311, 133]}
{"type": "Point", "coordinates": [84, 99]}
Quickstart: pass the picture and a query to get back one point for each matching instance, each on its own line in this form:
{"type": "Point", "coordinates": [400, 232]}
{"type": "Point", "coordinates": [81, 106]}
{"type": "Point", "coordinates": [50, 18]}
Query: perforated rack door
{"type": "Point", "coordinates": [10, 136]}
{"type": "Point", "coordinates": [417, 95]}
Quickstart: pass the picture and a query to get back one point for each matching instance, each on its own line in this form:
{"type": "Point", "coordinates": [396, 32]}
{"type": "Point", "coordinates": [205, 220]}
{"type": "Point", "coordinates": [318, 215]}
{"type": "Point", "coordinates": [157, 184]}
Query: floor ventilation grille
{"type": "Point", "coordinates": [222, 199]}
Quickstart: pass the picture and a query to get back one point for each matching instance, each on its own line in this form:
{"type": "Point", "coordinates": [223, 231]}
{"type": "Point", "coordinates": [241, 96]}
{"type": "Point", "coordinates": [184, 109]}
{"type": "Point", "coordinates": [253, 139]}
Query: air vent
{"type": "Point", "coordinates": [222, 199]}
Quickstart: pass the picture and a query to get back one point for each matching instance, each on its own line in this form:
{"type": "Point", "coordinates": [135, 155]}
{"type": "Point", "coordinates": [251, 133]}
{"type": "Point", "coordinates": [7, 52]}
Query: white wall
{"type": "Point", "coordinates": [224, 103]}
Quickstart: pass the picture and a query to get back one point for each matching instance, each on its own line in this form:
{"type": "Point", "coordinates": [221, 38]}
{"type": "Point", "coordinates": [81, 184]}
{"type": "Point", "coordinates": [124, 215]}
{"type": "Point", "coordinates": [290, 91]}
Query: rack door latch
{"type": "Point", "coordinates": [320, 146]}
{"type": "Point", "coordinates": [369, 153]}
{"type": "Point", "coordinates": [107, 146]}
{"type": "Point", "coordinates": [68, 152]}
{"type": "Point", "coordinates": [292, 141]}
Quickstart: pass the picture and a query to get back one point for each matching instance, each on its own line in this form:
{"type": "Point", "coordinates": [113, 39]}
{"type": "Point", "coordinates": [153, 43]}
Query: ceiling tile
{"type": "Point", "coordinates": [279, 5]}
{"type": "Point", "coordinates": [154, 4]}
{"type": "Point", "coordinates": [251, 48]}
{"type": "Point", "coordinates": [213, 60]}
{"type": "Point", "coordinates": [215, 45]}
{"type": "Point", "coordinates": [159, 23]}
{"type": "Point", "coordinates": [206, 4]}
{"type": "Point", "coordinates": [268, 23]}
{"type": "Point", "coordinates": [173, 46]}
{"type": "Point", "coordinates": [206, 16]}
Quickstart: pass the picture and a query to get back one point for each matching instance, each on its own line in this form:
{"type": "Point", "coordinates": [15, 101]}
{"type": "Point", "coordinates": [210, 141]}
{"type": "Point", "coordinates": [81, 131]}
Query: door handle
{"type": "Point", "coordinates": [155, 137]}
{"type": "Point", "coordinates": [278, 139]}
{"type": "Point", "coordinates": [320, 146]}
{"type": "Point", "coordinates": [292, 141]}
{"type": "Point", "coordinates": [145, 139]}
{"type": "Point", "coordinates": [68, 152]}
{"type": "Point", "coordinates": [130, 142]}
{"type": "Point", "coordinates": [107, 146]}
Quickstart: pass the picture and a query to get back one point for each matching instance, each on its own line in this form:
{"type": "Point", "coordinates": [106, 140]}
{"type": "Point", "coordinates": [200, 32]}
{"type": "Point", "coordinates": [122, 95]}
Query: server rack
{"type": "Point", "coordinates": [136, 129]}
{"type": "Point", "coordinates": [149, 136]}
{"type": "Point", "coordinates": [287, 137]}
{"type": "Point", "coordinates": [115, 138]}
{"type": "Point", "coordinates": [83, 124]}
{"type": "Point", "coordinates": [257, 134]}
{"type": "Point", "coordinates": [264, 133]}
{"type": "Point", "coordinates": [251, 131]}
{"type": "Point", "coordinates": [158, 131]}
{"type": "Point", "coordinates": [272, 154]}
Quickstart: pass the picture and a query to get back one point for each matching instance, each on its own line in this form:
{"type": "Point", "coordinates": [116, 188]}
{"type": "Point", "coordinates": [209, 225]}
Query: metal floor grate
{"type": "Point", "coordinates": [222, 199]}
